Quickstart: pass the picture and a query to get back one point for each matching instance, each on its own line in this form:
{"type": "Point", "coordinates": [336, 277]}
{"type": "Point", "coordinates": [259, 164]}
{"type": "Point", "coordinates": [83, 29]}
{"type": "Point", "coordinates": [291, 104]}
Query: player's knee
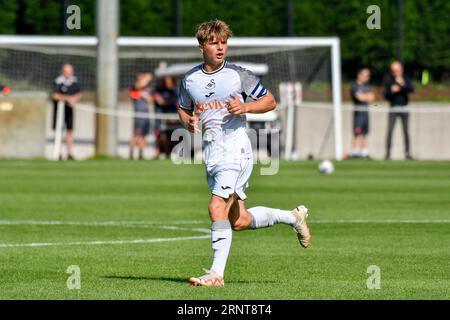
{"type": "Point", "coordinates": [237, 226]}
{"type": "Point", "coordinates": [216, 211]}
{"type": "Point", "coordinates": [241, 224]}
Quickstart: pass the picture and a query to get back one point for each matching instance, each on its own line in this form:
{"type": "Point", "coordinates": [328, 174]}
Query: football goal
{"type": "Point", "coordinates": [295, 70]}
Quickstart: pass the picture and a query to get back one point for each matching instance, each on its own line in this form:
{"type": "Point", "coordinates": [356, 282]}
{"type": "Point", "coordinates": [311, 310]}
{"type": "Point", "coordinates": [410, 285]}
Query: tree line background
{"type": "Point", "coordinates": [426, 28]}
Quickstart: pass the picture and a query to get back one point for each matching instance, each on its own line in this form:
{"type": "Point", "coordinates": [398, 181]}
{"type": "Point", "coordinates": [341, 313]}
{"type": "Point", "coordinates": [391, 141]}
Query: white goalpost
{"type": "Point", "coordinates": [58, 130]}
{"type": "Point", "coordinates": [293, 59]}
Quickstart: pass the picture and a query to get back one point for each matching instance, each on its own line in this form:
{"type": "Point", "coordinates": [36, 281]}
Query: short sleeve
{"type": "Point", "coordinates": [55, 86]}
{"type": "Point", "coordinates": [184, 98]}
{"type": "Point", "coordinates": [251, 85]}
{"type": "Point", "coordinates": [76, 87]}
{"type": "Point", "coordinates": [354, 90]}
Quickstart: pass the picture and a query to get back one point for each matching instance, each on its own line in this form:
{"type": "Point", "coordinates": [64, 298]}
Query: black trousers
{"type": "Point", "coordinates": [404, 116]}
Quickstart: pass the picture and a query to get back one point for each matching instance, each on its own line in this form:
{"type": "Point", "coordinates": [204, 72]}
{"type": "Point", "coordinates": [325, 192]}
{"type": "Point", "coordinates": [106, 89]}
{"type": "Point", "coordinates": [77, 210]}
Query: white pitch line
{"type": "Point", "coordinates": [378, 221]}
{"type": "Point", "coordinates": [102, 223]}
{"type": "Point", "coordinates": [91, 243]}
{"type": "Point", "coordinates": [98, 223]}
{"type": "Point", "coordinates": [156, 224]}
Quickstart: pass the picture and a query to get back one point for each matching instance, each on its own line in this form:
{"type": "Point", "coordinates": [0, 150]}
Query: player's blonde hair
{"type": "Point", "coordinates": [207, 31]}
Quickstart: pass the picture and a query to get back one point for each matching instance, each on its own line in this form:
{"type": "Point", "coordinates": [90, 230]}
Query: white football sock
{"type": "Point", "coordinates": [365, 152]}
{"type": "Point", "coordinates": [264, 217]}
{"type": "Point", "coordinates": [221, 236]}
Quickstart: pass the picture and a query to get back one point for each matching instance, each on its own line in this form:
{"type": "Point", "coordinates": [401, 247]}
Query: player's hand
{"type": "Point", "coordinates": [192, 124]}
{"type": "Point", "coordinates": [235, 106]}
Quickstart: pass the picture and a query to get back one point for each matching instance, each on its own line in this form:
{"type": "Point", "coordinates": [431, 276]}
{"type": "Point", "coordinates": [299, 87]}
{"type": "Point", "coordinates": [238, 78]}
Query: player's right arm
{"type": "Point", "coordinates": [188, 118]}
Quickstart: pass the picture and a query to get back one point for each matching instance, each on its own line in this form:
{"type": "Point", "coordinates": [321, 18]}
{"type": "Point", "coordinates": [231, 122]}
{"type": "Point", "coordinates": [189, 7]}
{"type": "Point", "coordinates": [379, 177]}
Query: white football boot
{"type": "Point", "coordinates": [300, 227]}
{"type": "Point", "coordinates": [210, 279]}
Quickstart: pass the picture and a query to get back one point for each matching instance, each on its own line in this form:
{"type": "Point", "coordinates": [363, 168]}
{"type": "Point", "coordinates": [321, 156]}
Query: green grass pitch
{"type": "Point", "coordinates": [137, 231]}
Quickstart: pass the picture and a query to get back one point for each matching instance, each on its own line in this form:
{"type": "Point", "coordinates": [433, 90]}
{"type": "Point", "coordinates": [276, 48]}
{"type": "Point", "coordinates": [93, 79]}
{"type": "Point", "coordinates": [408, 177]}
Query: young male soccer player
{"type": "Point", "coordinates": [215, 93]}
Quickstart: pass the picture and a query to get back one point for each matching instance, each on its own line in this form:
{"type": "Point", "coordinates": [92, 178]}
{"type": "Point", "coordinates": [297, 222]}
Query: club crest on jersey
{"type": "Point", "coordinates": [211, 85]}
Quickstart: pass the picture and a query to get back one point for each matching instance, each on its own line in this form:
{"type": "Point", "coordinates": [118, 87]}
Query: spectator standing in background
{"type": "Point", "coordinates": [140, 95]}
{"type": "Point", "coordinates": [397, 88]}
{"type": "Point", "coordinates": [66, 88]}
{"type": "Point", "coordinates": [165, 98]}
{"type": "Point", "coordinates": [361, 96]}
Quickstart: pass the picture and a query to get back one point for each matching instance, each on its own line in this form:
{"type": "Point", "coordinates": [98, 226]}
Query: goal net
{"type": "Point", "coordinates": [30, 64]}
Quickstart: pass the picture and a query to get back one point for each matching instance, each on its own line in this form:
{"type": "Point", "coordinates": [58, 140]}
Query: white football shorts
{"type": "Point", "coordinates": [226, 179]}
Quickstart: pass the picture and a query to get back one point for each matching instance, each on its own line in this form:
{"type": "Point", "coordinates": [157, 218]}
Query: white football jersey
{"type": "Point", "coordinates": [207, 93]}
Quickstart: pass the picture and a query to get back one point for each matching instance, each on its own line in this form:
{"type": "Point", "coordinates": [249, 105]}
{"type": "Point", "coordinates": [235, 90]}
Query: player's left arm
{"type": "Point", "coordinates": [263, 104]}
{"type": "Point", "coordinates": [258, 98]}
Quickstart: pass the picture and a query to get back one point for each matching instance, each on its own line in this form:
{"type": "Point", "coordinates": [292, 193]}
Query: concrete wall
{"type": "Point", "coordinates": [84, 133]}
{"type": "Point", "coordinates": [429, 132]}
{"type": "Point", "coordinates": [22, 126]}
{"type": "Point", "coordinates": [25, 130]}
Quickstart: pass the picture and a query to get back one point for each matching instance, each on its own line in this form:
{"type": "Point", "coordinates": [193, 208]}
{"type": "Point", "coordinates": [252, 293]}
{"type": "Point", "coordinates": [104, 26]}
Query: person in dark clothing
{"type": "Point", "coordinates": [140, 95]}
{"type": "Point", "coordinates": [66, 88]}
{"type": "Point", "coordinates": [361, 96]}
{"type": "Point", "coordinates": [165, 98]}
{"type": "Point", "coordinates": [397, 88]}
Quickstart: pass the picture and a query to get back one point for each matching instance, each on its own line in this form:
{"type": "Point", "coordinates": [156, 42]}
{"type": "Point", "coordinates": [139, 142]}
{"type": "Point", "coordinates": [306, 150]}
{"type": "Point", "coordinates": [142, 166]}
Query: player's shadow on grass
{"type": "Point", "coordinates": [181, 280]}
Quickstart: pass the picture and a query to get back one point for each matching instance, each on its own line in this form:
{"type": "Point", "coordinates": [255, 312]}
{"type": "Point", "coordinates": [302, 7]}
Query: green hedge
{"type": "Point", "coordinates": [426, 26]}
